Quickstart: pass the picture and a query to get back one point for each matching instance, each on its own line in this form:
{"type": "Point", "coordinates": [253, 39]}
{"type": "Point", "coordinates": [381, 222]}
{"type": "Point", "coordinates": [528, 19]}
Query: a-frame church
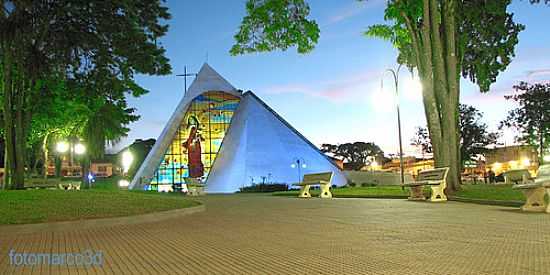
{"type": "Point", "coordinates": [228, 139]}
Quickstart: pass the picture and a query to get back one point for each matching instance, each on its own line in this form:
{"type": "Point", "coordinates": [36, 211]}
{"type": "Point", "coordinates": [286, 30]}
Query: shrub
{"type": "Point", "coordinates": [264, 188]}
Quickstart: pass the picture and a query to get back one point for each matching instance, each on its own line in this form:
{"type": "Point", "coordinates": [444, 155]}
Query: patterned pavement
{"type": "Point", "coordinates": [252, 234]}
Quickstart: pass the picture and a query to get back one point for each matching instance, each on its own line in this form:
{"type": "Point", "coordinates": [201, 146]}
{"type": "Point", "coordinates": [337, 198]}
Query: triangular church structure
{"type": "Point", "coordinates": [228, 140]}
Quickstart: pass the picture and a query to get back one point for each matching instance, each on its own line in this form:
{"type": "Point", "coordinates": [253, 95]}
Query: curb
{"type": "Point", "coordinates": [101, 222]}
{"type": "Point", "coordinates": [488, 202]}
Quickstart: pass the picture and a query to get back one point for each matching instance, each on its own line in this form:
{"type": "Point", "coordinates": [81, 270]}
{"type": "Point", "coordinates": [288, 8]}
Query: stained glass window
{"type": "Point", "coordinates": [196, 142]}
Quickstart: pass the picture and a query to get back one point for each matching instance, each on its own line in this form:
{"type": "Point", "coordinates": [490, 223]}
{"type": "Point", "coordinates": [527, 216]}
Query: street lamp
{"type": "Point", "coordinates": [79, 149]}
{"type": "Point", "coordinates": [415, 85]}
{"type": "Point", "coordinates": [62, 147]}
{"type": "Point", "coordinates": [299, 163]}
{"type": "Point", "coordinates": [127, 159]}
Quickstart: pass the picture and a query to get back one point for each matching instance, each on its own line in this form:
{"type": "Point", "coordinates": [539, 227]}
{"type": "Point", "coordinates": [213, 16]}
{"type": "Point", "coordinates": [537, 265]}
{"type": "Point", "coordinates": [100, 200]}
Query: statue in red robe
{"type": "Point", "coordinates": [193, 146]}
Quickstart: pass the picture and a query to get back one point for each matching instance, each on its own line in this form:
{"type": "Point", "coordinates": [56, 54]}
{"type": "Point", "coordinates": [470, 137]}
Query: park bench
{"type": "Point", "coordinates": [69, 186]}
{"type": "Point", "coordinates": [516, 176]}
{"type": "Point", "coordinates": [534, 190]}
{"type": "Point", "coordinates": [435, 178]}
{"type": "Point", "coordinates": [194, 187]}
{"type": "Point", "coordinates": [321, 179]}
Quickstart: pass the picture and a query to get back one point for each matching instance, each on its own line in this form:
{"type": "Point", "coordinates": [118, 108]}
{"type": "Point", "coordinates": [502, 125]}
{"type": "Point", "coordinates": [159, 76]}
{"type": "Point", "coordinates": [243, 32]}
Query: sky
{"type": "Point", "coordinates": [333, 94]}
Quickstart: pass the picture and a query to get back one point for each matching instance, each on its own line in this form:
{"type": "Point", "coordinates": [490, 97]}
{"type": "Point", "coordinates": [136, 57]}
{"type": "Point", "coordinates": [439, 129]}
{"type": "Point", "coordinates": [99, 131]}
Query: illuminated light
{"type": "Point", "coordinates": [497, 166]}
{"type": "Point", "coordinates": [384, 100]}
{"type": "Point", "coordinates": [123, 183]}
{"type": "Point", "coordinates": [413, 89]}
{"type": "Point", "coordinates": [304, 165]}
{"type": "Point", "coordinates": [62, 147]}
{"type": "Point", "coordinates": [525, 162]}
{"type": "Point", "coordinates": [293, 165]}
{"type": "Point", "coordinates": [127, 159]}
{"type": "Point", "coordinates": [79, 149]}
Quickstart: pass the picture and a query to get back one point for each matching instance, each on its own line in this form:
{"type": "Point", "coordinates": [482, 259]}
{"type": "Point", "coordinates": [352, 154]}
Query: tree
{"type": "Point", "coordinates": [140, 148]}
{"type": "Point", "coordinates": [99, 45]}
{"type": "Point", "coordinates": [532, 118]}
{"type": "Point", "coordinates": [439, 38]}
{"type": "Point", "coordinates": [356, 155]}
{"type": "Point", "coordinates": [422, 139]}
{"type": "Point", "coordinates": [474, 134]}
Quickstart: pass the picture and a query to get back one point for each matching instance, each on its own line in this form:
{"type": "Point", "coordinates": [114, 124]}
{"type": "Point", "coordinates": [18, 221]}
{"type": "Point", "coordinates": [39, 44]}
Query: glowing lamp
{"type": "Point", "coordinates": [304, 165]}
{"type": "Point", "coordinates": [525, 162]}
{"type": "Point", "coordinates": [293, 165]}
{"type": "Point", "coordinates": [123, 183]}
{"type": "Point", "coordinates": [127, 159]}
{"type": "Point", "coordinates": [62, 147]}
{"type": "Point", "coordinates": [79, 149]}
{"type": "Point", "coordinates": [497, 166]}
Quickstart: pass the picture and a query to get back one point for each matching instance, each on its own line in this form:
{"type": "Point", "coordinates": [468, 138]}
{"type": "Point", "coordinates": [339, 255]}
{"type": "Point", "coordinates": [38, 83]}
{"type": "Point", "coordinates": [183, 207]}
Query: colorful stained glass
{"type": "Point", "coordinates": [197, 141]}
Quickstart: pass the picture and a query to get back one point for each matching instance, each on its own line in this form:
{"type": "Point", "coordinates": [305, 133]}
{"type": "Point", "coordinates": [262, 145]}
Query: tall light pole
{"type": "Point", "coordinates": [396, 81]}
{"type": "Point", "coordinates": [299, 163]}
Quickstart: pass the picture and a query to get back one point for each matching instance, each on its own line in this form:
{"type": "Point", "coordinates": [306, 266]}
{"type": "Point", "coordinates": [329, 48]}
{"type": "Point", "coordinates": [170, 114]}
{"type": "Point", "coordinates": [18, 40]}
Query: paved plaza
{"type": "Point", "coordinates": [253, 234]}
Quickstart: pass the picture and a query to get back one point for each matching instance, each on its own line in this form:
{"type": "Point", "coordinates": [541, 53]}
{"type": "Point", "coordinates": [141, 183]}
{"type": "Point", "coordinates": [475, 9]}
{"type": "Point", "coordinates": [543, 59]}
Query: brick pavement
{"type": "Point", "coordinates": [252, 234]}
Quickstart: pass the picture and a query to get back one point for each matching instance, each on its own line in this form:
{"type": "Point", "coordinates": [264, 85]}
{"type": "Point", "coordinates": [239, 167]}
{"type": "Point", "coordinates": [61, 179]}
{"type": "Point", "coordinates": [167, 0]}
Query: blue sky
{"type": "Point", "coordinates": [331, 95]}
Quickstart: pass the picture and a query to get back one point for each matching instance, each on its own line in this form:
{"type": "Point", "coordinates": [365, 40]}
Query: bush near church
{"type": "Point", "coordinates": [264, 188]}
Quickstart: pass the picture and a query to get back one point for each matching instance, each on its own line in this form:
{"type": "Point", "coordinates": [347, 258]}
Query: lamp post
{"type": "Point", "coordinates": [299, 163]}
{"type": "Point", "coordinates": [395, 74]}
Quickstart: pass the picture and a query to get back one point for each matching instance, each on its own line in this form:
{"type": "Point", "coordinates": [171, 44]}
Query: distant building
{"type": "Point", "coordinates": [502, 159]}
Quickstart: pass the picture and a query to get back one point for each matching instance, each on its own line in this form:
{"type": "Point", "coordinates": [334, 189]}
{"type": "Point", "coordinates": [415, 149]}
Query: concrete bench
{"type": "Point", "coordinates": [534, 190]}
{"type": "Point", "coordinates": [69, 186]}
{"type": "Point", "coordinates": [435, 178]}
{"type": "Point", "coordinates": [194, 187]}
{"type": "Point", "coordinates": [321, 179]}
{"type": "Point", "coordinates": [517, 176]}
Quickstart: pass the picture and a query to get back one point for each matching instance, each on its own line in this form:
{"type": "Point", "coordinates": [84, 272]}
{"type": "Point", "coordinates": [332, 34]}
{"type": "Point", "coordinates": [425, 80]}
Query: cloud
{"type": "Point", "coordinates": [351, 10]}
{"type": "Point", "coordinates": [345, 88]}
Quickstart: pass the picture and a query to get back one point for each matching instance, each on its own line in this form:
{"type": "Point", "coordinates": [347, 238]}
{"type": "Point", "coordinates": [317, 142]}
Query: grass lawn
{"type": "Point", "coordinates": [358, 192]}
{"type": "Point", "coordinates": [490, 192]}
{"type": "Point", "coordinates": [480, 191]}
{"type": "Point", "coordinates": [104, 200]}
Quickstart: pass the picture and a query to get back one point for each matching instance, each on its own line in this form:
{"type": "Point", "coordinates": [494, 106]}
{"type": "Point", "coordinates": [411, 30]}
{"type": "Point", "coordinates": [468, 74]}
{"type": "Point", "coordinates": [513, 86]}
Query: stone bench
{"type": "Point", "coordinates": [194, 187]}
{"type": "Point", "coordinates": [535, 190]}
{"type": "Point", "coordinates": [321, 179]}
{"type": "Point", "coordinates": [435, 178]}
{"type": "Point", "coordinates": [516, 176]}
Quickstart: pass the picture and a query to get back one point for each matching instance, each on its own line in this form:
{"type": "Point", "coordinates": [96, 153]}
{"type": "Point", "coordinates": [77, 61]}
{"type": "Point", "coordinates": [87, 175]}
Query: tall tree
{"type": "Point", "coordinates": [474, 134]}
{"type": "Point", "coordinates": [422, 139]}
{"type": "Point", "coordinates": [440, 38]}
{"type": "Point", "coordinates": [532, 118]}
{"type": "Point", "coordinates": [88, 42]}
{"type": "Point", "coordinates": [356, 155]}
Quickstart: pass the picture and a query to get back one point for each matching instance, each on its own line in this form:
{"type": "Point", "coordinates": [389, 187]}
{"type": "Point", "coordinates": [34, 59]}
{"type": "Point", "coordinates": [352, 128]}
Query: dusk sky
{"type": "Point", "coordinates": [330, 95]}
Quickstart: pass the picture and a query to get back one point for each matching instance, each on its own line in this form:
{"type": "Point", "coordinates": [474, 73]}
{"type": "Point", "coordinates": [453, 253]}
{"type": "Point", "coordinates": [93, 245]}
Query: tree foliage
{"type": "Point", "coordinates": [92, 48]}
{"type": "Point", "coordinates": [356, 155]}
{"type": "Point", "coordinates": [276, 24]}
{"type": "Point", "coordinates": [532, 118]}
{"type": "Point", "coordinates": [474, 134]}
{"type": "Point", "coordinates": [422, 139]}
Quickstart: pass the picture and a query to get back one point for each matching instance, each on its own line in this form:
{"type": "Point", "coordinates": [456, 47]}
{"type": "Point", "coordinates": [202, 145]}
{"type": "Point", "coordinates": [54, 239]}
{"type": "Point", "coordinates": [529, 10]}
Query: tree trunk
{"type": "Point", "coordinates": [9, 167]}
{"type": "Point", "coordinates": [45, 155]}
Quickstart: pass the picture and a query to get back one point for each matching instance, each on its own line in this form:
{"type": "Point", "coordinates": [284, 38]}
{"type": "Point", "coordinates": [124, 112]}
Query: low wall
{"type": "Point", "coordinates": [375, 177]}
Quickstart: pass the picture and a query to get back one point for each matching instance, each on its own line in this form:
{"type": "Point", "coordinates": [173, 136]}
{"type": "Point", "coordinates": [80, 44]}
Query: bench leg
{"type": "Point", "coordinates": [304, 191]}
{"type": "Point", "coordinates": [438, 193]}
{"type": "Point", "coordinates": [548, 204]}
{"type": "Point", "coordinates": [534, 200]}
{"type": "Point", "coordinates": [325, 191]}
{"type": "Point", "coordinates": [416, 193]}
